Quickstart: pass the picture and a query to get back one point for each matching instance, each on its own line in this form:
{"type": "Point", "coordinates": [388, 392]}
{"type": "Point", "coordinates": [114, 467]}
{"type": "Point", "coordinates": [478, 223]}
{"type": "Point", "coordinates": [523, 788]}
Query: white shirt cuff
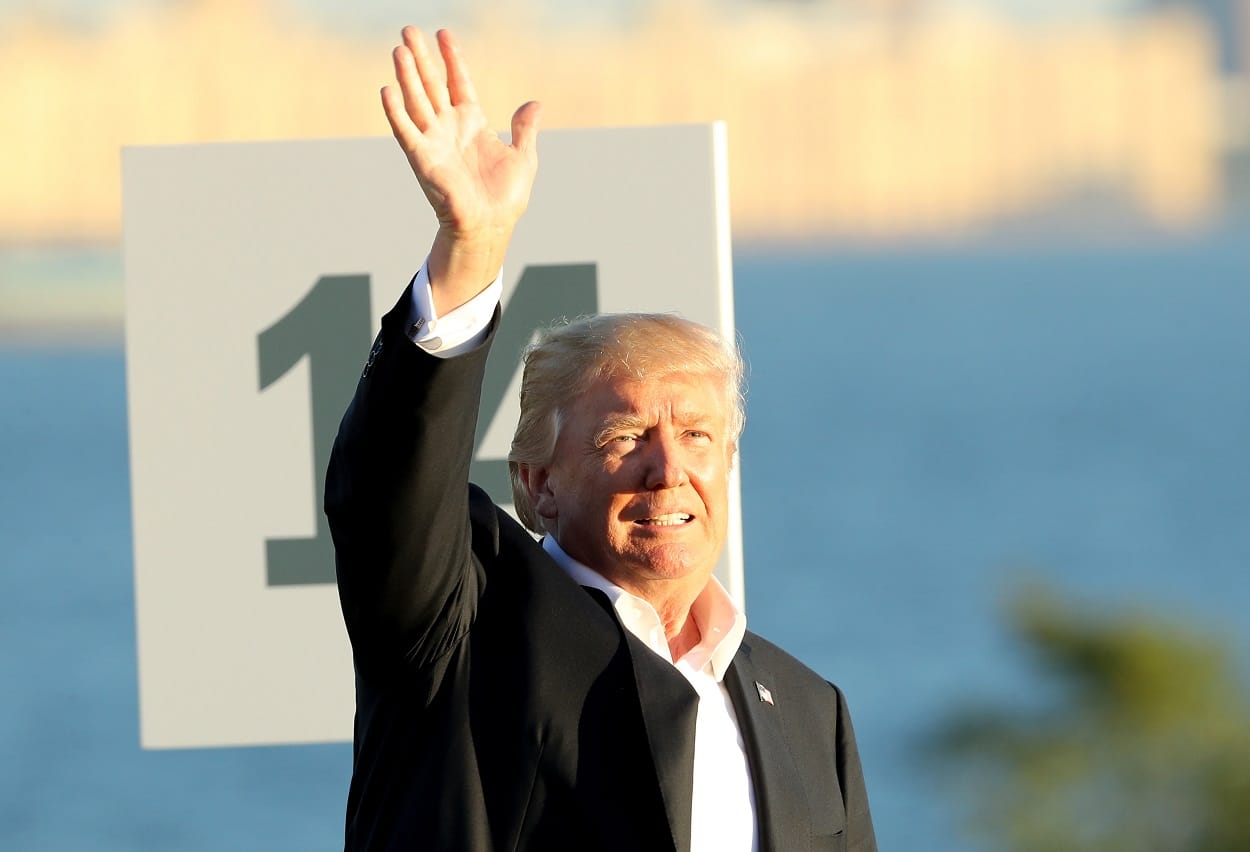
{"type": "Point", "coordinates": [456, 332]}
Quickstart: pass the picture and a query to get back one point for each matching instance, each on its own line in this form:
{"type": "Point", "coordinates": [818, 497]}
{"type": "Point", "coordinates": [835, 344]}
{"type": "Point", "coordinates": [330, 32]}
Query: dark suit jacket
{"type": "Point", "coordinates": [501, 706]}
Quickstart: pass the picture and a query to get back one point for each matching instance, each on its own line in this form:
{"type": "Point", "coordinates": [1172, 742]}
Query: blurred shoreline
{"type": "Point", "coordinates": [864, 127]}
{"type": "Point", "coordinates": [72, 296]}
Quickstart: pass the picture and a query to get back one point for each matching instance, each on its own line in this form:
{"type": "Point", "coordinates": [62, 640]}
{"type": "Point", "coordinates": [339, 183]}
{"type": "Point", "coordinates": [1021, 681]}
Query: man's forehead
{"type": "Point", "coordinates": [681, 397]}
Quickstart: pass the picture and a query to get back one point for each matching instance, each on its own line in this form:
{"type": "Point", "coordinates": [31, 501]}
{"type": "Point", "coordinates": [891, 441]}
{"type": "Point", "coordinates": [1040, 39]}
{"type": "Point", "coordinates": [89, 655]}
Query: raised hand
{"type": "Point", "coordinates": [477, 185]}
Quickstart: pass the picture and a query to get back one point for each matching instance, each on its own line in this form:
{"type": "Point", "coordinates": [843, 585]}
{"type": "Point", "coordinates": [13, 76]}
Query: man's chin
{"type": "Point", "coordinates": [672, 562]}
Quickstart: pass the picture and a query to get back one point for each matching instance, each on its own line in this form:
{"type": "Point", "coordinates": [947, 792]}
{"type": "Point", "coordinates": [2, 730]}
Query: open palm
{"type": "Point", "coordinates": [477, 184]}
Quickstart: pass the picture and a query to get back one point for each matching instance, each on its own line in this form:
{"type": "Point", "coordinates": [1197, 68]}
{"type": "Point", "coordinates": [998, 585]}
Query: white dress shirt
{"type": "Point", "coordinates": [459, 330]}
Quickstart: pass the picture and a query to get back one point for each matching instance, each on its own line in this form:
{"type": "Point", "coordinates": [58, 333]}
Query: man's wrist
{"type": "Point", "coordinates": [463, 265]}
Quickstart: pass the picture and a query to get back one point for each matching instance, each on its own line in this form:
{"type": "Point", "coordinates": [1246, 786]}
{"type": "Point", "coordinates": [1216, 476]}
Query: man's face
{"type": "Point", "coordinates": [639, 482]}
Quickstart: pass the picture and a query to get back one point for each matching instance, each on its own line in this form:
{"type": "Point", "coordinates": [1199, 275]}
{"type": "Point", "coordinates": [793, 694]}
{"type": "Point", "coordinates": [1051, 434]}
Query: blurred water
{"type": "Point", "coordinates": [926, 427]}
{"type": "Point", "coordinates": [923, 425]}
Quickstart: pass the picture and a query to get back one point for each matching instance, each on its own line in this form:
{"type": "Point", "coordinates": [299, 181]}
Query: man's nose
{"type": "Point", "coordinates": [665, 463]}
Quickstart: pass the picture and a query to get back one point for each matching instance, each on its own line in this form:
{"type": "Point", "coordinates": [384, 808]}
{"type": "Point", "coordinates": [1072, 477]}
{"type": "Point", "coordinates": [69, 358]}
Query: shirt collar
{"type": "Point", "coordinates": [721, 624]}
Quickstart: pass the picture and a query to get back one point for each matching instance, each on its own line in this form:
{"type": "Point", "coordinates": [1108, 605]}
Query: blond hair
{"type": "Point", "coordinates": [564, 360]}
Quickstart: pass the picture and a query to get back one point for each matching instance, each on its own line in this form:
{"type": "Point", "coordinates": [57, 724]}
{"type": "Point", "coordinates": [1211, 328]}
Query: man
{"type": "Point", "coordinates": [596, 690]}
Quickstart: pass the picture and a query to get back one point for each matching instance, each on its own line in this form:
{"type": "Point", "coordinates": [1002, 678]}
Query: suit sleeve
{"type": "Point", "coordinates": [397, 501]}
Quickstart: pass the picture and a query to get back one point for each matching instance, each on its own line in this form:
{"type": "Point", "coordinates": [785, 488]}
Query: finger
{"type": "Point", "coordinates": [459, 86]}
{"type": "Point", "coordinates": [429, 69]}
{"type": "Point", "coordinates": [525, 128]}
{"type": "Point", "coordinates": [416, 103]}
{"type": "Point", "coordinates": [406, 133]}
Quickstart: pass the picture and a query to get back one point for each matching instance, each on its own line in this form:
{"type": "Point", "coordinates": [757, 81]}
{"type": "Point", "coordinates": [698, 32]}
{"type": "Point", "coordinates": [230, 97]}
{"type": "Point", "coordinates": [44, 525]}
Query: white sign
{"type": "Point", "coordinates": [256, 275]}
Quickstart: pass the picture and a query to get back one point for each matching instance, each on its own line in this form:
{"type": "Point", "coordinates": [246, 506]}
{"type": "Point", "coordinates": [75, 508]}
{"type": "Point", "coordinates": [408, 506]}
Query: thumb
{"type": "Point", "coordinates": [525, 128]}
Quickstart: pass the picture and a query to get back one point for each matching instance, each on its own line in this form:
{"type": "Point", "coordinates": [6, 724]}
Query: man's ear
{"type": "Point", "coordinates": [537, 482]}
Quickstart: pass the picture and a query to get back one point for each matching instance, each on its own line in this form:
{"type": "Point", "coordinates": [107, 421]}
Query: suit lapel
{"type": "Point", "coordinates": [669, 706]}
{"type": "Point", "coordinates": [780, 800]}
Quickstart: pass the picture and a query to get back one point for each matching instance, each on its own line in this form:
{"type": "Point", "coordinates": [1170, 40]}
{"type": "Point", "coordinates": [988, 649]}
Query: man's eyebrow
{"type": "Point", "coordinates": [618, 422]}
{"type": "Point", "coordinates": [615, 423]}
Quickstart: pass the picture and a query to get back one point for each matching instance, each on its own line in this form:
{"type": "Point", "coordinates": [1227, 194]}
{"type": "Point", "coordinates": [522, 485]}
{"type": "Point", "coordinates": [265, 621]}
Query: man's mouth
{"type": "Point", "coordinates": [672, 519]}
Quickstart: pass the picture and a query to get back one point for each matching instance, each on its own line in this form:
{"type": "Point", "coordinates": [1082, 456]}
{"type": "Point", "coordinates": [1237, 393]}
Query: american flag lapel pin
{"type": "Point", "coordinates": [765, 695]}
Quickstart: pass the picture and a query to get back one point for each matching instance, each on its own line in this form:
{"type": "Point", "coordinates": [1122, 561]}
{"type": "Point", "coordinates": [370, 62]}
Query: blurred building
{"type": "Point", "coordinates": [845, 126]}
